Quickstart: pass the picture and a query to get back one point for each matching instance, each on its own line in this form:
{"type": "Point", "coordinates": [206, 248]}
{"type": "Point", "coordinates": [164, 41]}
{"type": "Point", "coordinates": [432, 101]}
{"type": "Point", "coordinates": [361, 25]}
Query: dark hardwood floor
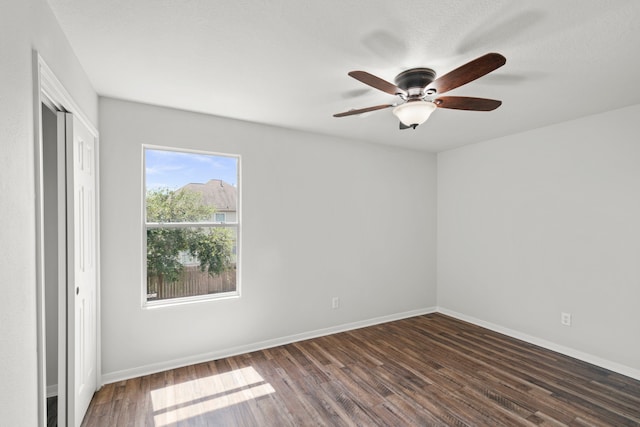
{"type": "Point", "coordinates": [429, 370]}
{"type": "Point", "coordinates": [52, 411]}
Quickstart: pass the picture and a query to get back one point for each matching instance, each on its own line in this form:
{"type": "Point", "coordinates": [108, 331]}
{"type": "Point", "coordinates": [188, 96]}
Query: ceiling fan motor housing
{"type": "Point", "coordinates": [416, 88]}
{"type": "Point", "coordinates": [415, 78]}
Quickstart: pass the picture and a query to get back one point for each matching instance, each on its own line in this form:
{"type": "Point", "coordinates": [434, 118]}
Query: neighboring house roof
{"type": "Point", "coordinates": [216, 192]}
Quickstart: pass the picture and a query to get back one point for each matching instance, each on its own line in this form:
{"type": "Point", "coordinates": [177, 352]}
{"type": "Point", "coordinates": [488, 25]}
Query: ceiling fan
{"type": "Point", "coordinates": [419, 90]}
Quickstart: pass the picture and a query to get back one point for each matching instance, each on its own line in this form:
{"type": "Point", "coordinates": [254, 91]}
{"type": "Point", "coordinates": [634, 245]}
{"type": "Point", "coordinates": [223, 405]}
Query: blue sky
{"type": "Point", "coordinates": [173, 169]}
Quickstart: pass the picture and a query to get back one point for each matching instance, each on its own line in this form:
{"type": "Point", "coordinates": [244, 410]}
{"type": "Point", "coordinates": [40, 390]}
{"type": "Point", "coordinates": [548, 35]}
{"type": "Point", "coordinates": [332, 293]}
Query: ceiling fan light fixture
{"type": "Point", "coordinates": [413, 113]}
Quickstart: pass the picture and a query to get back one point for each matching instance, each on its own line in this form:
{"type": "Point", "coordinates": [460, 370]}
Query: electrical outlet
{"type": "Point", "coordinates": [335, 302]}
{"type": "Point", "coordinates": [565, 319]}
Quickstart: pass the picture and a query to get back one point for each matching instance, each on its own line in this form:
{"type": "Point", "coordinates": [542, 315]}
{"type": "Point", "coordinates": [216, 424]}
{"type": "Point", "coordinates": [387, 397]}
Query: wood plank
{"type": "Point", "coordinates": [426, 370]}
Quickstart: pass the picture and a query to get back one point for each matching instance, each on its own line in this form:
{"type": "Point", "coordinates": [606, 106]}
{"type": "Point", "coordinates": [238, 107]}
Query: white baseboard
{"type": "Point", "coordinates": [234, 351]}
{"type": "Point", "coordinates": [185, 361]}
{"type": "Point", "coordinates": [567, 351]}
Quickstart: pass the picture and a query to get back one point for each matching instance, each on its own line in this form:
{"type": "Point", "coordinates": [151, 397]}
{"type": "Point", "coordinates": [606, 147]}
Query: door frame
{"type": "Point", "coordinates": [49, 90]}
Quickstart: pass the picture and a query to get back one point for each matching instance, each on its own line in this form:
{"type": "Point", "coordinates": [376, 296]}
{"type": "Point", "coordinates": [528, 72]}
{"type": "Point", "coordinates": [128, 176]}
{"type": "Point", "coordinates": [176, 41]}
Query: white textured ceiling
{"type": "Point", "coordinates": [285, 62]}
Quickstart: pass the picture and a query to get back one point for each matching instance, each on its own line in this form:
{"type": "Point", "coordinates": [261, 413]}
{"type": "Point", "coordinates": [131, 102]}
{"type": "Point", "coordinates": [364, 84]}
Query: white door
{"type": "Point", "coordinates": [81, 268]}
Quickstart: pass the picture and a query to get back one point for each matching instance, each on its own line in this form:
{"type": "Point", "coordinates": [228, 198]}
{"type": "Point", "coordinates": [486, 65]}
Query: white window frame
{"type": "Point", "coordinates": [205, 224]}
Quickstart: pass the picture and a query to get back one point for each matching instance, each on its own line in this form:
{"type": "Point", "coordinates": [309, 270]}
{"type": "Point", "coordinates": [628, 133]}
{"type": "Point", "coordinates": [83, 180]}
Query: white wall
{"type": "Point", "coordinates": [24, 25]}
{"type": "Point", "coordinates": [547, 221]}
{"type": "Point", "coordinates": [333, 240]}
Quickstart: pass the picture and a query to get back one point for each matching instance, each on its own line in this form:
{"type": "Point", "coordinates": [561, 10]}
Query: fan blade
{"type": "Point", "coordinates": [363, 110]}
{"type": "Point", "coordinates": [376, 82]}
{"type": "Point", "coordinates": [468, 72]}
{"type": "Point", "coordinates": [467, 103]}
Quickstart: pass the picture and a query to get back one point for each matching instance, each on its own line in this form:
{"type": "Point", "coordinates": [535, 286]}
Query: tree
{"type": "Point", "coordinates": [211, 247]}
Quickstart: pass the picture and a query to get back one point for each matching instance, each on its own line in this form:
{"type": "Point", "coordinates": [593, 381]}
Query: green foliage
{"type": "Point", "coordinates": [163, 252]}
{"type": "Point", "coordinates": [212, 247]}
{"type": "Point", "coordinates": [164, 205]}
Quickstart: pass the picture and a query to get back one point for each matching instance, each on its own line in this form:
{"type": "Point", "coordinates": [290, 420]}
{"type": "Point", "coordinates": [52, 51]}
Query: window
{"type": "Point", "coordinates": [191, 247]}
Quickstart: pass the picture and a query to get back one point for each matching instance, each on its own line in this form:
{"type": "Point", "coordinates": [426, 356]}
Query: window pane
{"type": "Point", "coordinates": [190, 261]}
{"type": "Point", "coordinates": [190, 187]}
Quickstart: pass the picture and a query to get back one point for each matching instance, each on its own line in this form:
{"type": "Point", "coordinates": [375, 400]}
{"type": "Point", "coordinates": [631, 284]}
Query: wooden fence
{"type": "Point", "coordinates": [191, 283]}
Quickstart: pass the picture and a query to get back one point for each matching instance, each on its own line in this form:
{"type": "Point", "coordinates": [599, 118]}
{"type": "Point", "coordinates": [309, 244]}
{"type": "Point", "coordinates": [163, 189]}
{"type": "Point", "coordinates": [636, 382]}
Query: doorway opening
{"type": "Point", "coordinates": [50, 208]}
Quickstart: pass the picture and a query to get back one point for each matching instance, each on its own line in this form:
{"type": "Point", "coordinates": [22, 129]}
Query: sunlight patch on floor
{"type": "Point", "coordinates": [178, 402]}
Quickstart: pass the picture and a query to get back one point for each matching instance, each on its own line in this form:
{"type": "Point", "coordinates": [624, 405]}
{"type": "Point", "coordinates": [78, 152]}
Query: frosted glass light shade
{"type": "Point", "coordinates": [414, 112]}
